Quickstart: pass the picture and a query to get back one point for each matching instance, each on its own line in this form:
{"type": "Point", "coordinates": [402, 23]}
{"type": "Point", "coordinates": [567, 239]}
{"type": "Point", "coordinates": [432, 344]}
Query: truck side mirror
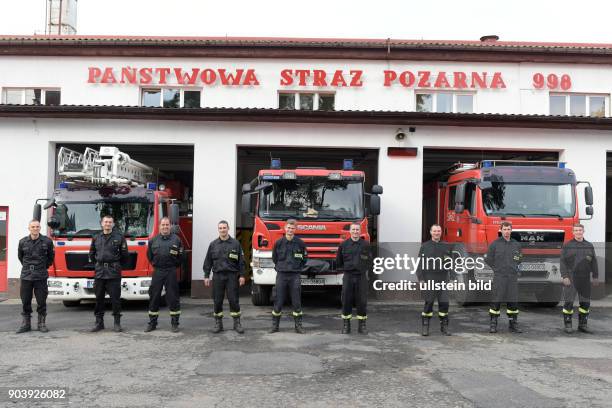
{"type": "Point", "coordinates": [247, 203]}
{"type": "Point", "coordinates": [588, 195]}
{"type": "Point", "coordinates": [374, 204]}
{"type": "Point", "coordinates": [377, 189]}
{"type": "Point", "coordinates": [174, 214]}
{"type": "Point", "coordinates": [53, 222]}
{"type": "Point", "coordinates": [460, 198]}
{"type": "Point", "coordinates": [50, 203]}
{"type": "Point", "coordinates": [589, 210]}
{"type": "Point", "coordinates": [37, 212]}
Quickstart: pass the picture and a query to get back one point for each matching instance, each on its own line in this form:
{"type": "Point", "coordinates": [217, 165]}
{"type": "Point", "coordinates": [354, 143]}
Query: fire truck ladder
{"type": "Point", "coordinates": [108, 167]}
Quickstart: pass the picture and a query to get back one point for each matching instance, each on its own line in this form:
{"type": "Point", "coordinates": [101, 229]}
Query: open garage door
{"type": "Point", "coordinates": [324, 205]}
{"type": "Point", "coordinates": [436, 163]}
{"type": "Point", "coordinates": [470, 200]}
{"type": "Point", "coordinates": [173, 168]}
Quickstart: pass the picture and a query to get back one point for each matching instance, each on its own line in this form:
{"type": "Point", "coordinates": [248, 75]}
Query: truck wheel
{"type": "Point", "coordinates": [549, 297]}
{"type": "Point", "coordinates": [71, 303]}
{"type": "Point", "coordinates": [260, 295]}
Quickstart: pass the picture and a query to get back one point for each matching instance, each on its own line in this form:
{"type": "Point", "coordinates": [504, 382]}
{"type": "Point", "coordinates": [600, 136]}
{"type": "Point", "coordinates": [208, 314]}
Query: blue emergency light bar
{"type": "Point", "coordinates": [275, 164]}
{"type": "Point", "coordinates": [347, 164]}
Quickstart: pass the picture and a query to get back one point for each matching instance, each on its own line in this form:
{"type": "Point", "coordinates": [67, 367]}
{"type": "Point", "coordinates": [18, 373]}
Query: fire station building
{"type": "Point", "coordinates": [211, 112]}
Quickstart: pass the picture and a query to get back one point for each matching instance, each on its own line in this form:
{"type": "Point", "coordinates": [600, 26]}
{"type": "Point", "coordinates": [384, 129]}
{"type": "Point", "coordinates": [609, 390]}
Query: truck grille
{"type": "Point", "coordinates": [534, 239]}
{"type": "Point", "coordinates": [79, 261]}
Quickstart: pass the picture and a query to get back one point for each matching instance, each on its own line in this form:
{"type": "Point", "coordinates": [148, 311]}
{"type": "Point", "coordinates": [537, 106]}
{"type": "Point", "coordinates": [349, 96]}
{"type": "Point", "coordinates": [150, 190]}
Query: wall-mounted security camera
{"type": "Point", "coordinates": [400, 135]}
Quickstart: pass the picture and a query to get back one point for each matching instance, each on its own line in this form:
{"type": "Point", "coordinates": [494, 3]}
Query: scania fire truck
{"type": "Point", "coordinates": [324, 202]}
{"type": "Point", "coordinates": [540, 200]}
{"type": "Point", "coordinates": [98, 183]}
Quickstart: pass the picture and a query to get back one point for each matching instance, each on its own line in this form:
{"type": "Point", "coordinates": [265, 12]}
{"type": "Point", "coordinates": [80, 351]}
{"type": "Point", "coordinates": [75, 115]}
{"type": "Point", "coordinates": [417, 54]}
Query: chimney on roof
{"type": "Point", "coordinates": [61, 17]}
{"type": "Point", "coordinates": [489, 38]}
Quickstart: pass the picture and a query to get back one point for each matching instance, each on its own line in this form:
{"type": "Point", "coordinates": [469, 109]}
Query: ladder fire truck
{"type": "Point", "coordinates": [324, 202]}
{"type": "Point", "coordinates": [540, 199]}
{"type": "Point", "coordinates": [94, 184]}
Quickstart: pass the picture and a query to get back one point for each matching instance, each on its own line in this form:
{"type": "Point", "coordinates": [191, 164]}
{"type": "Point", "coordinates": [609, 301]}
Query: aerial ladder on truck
{"type": "Point", "coordinates": [98, 182]}
{"type": "Point", "coordinates": [108, 167]}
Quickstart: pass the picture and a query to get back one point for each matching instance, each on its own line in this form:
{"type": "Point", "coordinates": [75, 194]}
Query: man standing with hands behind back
{"type": "Point", "coordinates": [36, 253]}
{"type": "Point", "coordinates": [226, 259]}
{"type": "Point", "coordinates": [108, 249]}
{"type": "Point", "coordinates": [578, 263]}
{"type": "Point", "coordinates": [289, 256]}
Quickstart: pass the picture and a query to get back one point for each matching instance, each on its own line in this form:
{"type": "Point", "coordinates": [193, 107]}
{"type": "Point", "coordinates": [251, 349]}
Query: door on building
{"type": "Point", "coordinates": [3, 248]}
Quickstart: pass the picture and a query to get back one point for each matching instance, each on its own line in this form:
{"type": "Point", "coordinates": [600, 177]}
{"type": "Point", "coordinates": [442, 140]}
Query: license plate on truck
{"type": "Point", "coordinates": [89, 284]}
{"type": "Point", "coordinates": [313, 281]}
{"type": "Point", "coordinates": [532, 267]}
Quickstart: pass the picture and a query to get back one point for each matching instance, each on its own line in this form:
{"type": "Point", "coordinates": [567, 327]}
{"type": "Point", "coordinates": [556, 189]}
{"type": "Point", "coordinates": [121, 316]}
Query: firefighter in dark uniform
{"type": "Point", "coordinates": [504, 256]}
{"type": "Point", "coordinates": [578, 264]}
{"type": "Point", "coordinates": [434, 254]}
{"type": "Point", "coordinates": [36, 253]}
{"type": "Point", "coordinates": [165, 254]}
{"type": "Point", "coordinates": [354, 258]}
{"type": "Point", "coordinates": [289, 256]}
{"type": "Point", "coordinates": [226, 259]}
{"type": "Point", "coordinates": [108, 249]}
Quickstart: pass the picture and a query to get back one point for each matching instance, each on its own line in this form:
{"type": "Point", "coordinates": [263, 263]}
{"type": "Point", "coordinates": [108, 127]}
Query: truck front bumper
{"type": "Point", "coordinates": [72, 289]}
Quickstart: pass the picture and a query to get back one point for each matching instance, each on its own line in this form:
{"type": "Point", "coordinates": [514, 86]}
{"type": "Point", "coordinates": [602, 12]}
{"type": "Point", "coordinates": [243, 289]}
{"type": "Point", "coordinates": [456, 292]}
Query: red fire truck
{"type": "Point", "coordinates": [95, 184]}
{"type": "Point", "coordinates": [540, 200]}
{"type": "Point", "coordinates": [325, 203]}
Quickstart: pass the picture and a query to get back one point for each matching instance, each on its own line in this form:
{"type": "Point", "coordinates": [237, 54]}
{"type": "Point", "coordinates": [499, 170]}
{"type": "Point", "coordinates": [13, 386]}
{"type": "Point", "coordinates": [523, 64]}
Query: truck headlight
{"type": "Point", "coordinates": [145, 283]}
{"type": "Point", "coordinates": [54, 284]}
{"type": "Point", "coordinates": [262, 262]}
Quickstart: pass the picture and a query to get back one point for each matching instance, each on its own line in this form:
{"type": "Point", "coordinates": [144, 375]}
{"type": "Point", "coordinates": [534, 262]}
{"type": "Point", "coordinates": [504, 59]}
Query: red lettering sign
{"type": "Point", "coordinates": [442, 79]}
{"type": "Point", "coordinates": [177, 76]}
{"type": "Point", "coordinates": [552, 81]}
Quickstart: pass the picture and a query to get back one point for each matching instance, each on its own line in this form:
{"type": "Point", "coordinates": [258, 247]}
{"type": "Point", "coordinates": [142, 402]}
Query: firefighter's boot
{"type": "Point", "coordinates": [444, 326]}
{"type": "Point", "coordinates": [362, 329]}
{"type": "Point", "coordinates": [583, 319]}
{"type": "Point", "coordinates": [493, 324]}
{"type": "Point", "coordinates": [425, 325]}
{"type": "Point", "coordinates": [117, 323]}
{"type": "Point", "coordinates": [237, 326]}
{"type": "Point", "coordinates": [275, 323]}
{"type": "Point", "coordinates": [42, 325]}
{"type": "Point", "coordinates": [174, 322]}
{"type": "Point", "coordinates": [513, 325]}
{"type": "Point", "coordinates": [26, 324]}
{"type": "Point", "coordinates": [298, 325]}
{"type": "Point", "coordinates": [152, 325]}
{"type": "Point", "coordinates": [346, 326]}
{"type": "Point", "coordinates": [218, 325]}
{"type": "Point", "coordinates": [567, 323]}
{"type": "Point", "coordinates": [99, 325]}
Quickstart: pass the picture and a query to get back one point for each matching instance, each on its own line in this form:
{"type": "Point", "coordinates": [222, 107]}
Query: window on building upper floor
{"type": "Point", "coordinates": [170, 97]}
{"type": "Point", "coordinates": [31, 96]}
{"type": "Point", "coordinates": [306, 101]}
{"type": "Point", "coordinates": [444, 102]}
{"type": "Point", "coordinates": [578, 105]}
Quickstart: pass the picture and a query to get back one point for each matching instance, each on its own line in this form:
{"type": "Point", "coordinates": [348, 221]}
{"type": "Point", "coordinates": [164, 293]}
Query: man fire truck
{"type": "Point", "coordinates": [325, 203]}
{"type": "Point", "coordinates": [94, 184]}
{"type": "Point", "coordinates": [538, 198]}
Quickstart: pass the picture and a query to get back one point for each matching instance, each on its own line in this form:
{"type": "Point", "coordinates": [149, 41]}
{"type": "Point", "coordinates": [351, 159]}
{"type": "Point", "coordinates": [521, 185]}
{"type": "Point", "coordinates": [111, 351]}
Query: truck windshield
{"type": "Point", "coordinates": [554, 200]}
{"type": "Point", "coordinates": [83, 219]}
{"type": "Point", "coordinates": [312, 198]}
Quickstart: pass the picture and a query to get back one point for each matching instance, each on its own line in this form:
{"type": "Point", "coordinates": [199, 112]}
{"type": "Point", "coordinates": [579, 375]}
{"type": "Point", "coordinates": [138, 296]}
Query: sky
{"type": "Point", "coordinates": [511, 20]}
